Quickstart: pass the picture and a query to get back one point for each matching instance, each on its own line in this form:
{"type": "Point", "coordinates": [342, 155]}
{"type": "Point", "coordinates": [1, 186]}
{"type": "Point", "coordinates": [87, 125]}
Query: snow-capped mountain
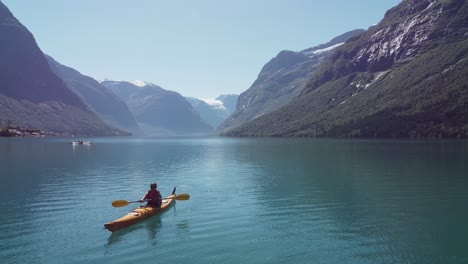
{"type": "Point", "coordinates": [280, 80]}
{"type": "Point", "coordinates": [142, 83]}
{"type": "Point", "coordinates": [404, 77]}
{"type": "Point", "coordinates": [214, 110]}
{"type": "Point", "coordinates": [159, 112]}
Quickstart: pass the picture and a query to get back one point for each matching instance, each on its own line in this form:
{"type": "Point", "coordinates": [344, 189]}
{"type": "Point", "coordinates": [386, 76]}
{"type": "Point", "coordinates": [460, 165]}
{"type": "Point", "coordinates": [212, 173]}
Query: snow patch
{"type": "Point", "coordinates": [140, 83]}
{"type": "Point", "coordinates": [217, 104]}
{"type": "Point", "coordinates": [431, 4]}
{"type": "Point", "coordinates": [110, 81]}
{"type": "Point", "coordinates": [378, 75]}
{"type": "Point", "coordinates": [451, 67]}
{"type": "Point", "coordinates": [327, 49]}
{"type": "Point", "coordinates": [320, 51]}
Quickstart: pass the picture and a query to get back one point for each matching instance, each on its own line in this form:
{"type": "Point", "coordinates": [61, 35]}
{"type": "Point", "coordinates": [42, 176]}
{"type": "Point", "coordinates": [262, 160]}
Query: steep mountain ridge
{"type": "Point", "coordinates": [406, 31]}
{"type": "Point", "coordinates": [31, 95]}
{"type": "Point", "coordinates": [404, 77]}
{"type": "Point", "coordinates": [280, 80]}
{"type": "Point", "coordinates": [20, 57]}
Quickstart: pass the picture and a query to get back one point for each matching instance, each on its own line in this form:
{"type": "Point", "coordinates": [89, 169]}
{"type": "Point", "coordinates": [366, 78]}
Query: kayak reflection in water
{"type": "Point", "coordinates": [153, 197]}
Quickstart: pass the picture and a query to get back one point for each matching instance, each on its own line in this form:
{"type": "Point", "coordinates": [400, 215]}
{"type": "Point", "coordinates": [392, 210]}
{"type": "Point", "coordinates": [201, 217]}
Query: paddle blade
{"type": "Point", "coordinates": [120, 203]}
{"type": "Point", "coordinates": [183, 196]}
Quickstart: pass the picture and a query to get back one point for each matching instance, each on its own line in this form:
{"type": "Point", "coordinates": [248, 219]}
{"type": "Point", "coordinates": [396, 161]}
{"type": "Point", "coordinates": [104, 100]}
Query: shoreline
{"type": "Point", "coordinates": [24, 132]}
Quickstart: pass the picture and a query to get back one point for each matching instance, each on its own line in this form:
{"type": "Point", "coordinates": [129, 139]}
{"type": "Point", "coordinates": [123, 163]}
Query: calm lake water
{"type": "Point", "coordinates": [252, 201]}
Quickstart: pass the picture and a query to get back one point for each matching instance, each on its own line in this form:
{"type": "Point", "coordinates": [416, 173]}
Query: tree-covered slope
{"type": "Point", "coordinates": [280, 80]}
{"type": "Point", "coordinates": [405, 77]}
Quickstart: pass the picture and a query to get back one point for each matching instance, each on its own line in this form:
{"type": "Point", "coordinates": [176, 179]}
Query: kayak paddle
{"type": "Point", "coordinates": [120, 203]}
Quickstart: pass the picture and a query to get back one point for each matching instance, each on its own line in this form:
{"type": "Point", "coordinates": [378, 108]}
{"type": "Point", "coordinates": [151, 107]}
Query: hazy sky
{"type": "Point", "coordinates": [199, 48]}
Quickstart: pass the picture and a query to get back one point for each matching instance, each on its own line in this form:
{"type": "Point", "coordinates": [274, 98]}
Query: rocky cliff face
{"type": "Point", "coordinates": [404, 77]}
{"type": "Point", "coordinates": [31, 95]}
{"type": "Point", "coordinates": [280, 80]}
{"type": "Point", "coordinates": [159, 112]}
{"type": "Point", "coordinates": [401, 41]}
{"type": "Point", "coordinates": [407, 30]}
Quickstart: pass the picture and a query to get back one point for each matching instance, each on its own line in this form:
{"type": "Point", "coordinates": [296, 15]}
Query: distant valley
{"type": "Point", "coordinates": [159, 112]}
{"type": "Point", "coordinates": [215, 111]}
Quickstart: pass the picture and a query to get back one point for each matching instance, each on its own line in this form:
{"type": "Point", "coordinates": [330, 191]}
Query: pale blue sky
{"type": "Point", "coordinates": [198, 48]}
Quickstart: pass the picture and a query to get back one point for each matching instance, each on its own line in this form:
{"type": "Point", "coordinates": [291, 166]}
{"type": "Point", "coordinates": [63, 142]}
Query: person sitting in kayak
{"type": "Point", "coordinates": [153, 197]}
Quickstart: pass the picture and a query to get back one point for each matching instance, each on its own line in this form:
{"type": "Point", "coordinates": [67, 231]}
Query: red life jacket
{"type": "Point", "coordinates": [154, 197]}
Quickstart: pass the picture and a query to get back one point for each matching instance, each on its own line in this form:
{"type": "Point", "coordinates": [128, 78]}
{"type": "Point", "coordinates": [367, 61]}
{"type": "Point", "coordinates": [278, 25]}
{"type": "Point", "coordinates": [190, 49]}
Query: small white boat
{"type": "Point", "coordinates": [81, 143]}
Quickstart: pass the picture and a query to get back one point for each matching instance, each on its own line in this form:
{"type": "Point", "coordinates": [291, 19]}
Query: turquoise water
{"type": "Point", "coordinates": [252, 201]}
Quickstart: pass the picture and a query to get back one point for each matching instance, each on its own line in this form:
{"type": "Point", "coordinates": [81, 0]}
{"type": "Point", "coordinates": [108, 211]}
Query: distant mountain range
{"type": "Point", "coordinates": [215, 111]}
{"type": "Point", "coordinates": [31, 95]}
{"type": "Point", "coordinates": [104, 102]}
{"type": "Point", "coordinates": [37, 92]}
{"type": "Point", "coordinates": [159, 112]}
{"type": "Point", "coordinates": [280, 80]}
{"type": "Point", "coordinates": [404, 77]}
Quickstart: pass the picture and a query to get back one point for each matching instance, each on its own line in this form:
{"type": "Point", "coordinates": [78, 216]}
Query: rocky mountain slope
{"type": "Point", "coordinates": [215, 111]}
{"type": "Point", "coordinates": [31, 95]}
{"type": "Point", "coordinates": [103, 101]}
{"type": "Point", "coordinates": [159, 112]}
{"type": "Point", "coordinates": [280, 80]}
{"type": "Point", "coordinates": [404, 77]}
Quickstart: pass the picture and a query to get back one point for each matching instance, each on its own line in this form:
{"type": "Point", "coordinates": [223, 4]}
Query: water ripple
{"type": "Point", "coordinates": [252, 201]}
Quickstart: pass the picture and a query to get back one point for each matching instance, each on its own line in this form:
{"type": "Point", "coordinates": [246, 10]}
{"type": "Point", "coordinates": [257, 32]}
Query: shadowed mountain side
{"type": "Point", "coordinates": [31, 95]}
{"type": "Point", "coordinates": [54, 117]}
{"type": "Point", "coordinates": [104, 102]}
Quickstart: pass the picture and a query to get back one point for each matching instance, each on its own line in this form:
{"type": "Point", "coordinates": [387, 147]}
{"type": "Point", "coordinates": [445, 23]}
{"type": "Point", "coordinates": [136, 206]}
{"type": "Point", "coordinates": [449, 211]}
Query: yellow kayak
{"type": "Point", "coordinates": [139, 214]}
